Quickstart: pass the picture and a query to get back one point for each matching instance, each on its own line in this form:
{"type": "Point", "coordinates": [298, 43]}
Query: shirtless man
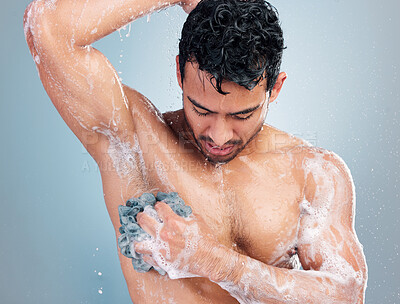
{"type": "Point", "coordinates": [262, 200]}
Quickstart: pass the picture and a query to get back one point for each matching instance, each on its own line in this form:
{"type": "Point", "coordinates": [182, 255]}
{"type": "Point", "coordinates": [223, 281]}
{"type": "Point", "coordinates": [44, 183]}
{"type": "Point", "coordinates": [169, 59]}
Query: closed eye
{"type": "Point", "coordinates": [200, 113]}
{"type": "Point", "coordinates": [242, 116]}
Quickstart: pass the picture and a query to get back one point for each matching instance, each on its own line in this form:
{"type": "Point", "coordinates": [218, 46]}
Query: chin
{"type": "Point", "coordinates": [218, 160]}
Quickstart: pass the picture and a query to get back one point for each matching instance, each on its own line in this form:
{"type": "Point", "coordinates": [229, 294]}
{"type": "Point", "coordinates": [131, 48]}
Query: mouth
{"type": "Point", "coordinates": [218, 151]}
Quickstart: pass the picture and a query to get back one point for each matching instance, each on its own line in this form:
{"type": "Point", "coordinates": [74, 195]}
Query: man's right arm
{"type": "Point", "coordinates": [80, 81]}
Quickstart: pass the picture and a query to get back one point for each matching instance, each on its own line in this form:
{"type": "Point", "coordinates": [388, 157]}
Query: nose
{"type": "Point", "coordinates": [220, 131]}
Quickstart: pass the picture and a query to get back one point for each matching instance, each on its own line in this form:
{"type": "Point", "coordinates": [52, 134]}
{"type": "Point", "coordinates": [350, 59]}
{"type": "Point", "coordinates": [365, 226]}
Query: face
{"type": "Point", "coordinates": [222, 125]}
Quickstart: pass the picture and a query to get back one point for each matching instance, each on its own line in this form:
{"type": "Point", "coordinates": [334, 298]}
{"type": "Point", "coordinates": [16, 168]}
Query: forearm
{"type": "Point", "coordinates": [83, 22]}
{"type": "Point", "coordinates": [251, 281]}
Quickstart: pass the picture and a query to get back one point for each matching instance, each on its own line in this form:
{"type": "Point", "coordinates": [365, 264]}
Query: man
{"type": "Point", "coordinates": [259, 208]}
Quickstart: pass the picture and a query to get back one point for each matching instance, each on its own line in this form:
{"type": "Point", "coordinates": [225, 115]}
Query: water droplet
{"type": "Point", "coordinates": [129, 30]}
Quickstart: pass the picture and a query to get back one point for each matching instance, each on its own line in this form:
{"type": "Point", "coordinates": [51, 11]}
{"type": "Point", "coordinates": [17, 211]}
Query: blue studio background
{"type": "Point", "coordinates": [342, 94]}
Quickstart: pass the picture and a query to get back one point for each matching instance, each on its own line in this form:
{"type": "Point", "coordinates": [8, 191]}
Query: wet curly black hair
{"type": "Point", "coordinates": [234, 40]}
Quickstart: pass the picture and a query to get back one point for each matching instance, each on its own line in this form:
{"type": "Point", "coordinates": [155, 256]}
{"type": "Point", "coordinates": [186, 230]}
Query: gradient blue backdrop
{"type": "Point", "coordinates": [342, 94]}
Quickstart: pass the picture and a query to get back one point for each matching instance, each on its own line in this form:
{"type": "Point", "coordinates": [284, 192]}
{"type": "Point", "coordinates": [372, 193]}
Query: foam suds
{"type": "Point", "coordinates": [161, 173]}
{"type": "Point", "coordinates": [127, 160]}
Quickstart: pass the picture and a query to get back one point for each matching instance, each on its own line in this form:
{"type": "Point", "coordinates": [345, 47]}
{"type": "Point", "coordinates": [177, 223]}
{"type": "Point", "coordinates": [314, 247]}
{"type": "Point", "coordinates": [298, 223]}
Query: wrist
{"type": "Point", "coordinates": [232, 267]}
{"type": "Point", "coordinates": [220, 263]}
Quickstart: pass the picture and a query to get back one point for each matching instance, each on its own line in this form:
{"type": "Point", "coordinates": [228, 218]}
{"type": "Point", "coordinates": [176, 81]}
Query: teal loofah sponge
{"type": "Point", "coordinates": [131, 231]}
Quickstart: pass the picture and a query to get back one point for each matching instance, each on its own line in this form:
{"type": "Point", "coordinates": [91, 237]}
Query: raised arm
{"type": "Point", "coordinates": [80, 81]}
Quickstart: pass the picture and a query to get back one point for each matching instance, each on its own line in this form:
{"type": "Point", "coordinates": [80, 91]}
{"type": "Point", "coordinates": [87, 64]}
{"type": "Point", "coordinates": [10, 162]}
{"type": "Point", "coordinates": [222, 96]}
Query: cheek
{"type": "Point", "coordinates": [197, 123]}
{"type": "Point", "coordinates": [200, 126]}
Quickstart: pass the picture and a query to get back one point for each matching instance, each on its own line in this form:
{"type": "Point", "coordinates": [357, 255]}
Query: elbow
{"type": "Point", "coordinates": [37, 27]}
{"type": "Point", "coordinates": [347, 288]}
{"type": "Point", "coordinates": [27, 26]}
{"type": "Point", "coordinates": [354, 288]}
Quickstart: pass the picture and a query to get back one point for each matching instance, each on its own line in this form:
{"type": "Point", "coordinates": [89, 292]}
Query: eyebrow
{"type": "Point", "coordinates": [246, 111]}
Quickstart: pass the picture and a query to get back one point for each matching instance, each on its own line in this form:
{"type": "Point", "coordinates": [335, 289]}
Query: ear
{"type": "Point", "coordinates": [278, 86]}
{"type": "Point", "coordinates": [178, 71]}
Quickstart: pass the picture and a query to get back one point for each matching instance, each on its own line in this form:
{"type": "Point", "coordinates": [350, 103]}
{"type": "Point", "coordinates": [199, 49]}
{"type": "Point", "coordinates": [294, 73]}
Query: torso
{"type": "Point", "coordinates": [251, 204]}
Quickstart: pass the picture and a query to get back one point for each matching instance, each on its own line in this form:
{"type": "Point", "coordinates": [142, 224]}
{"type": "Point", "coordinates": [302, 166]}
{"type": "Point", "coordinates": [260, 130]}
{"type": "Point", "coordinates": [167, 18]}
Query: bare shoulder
{"type": "Point", "coordinates": [314, 164]}
{"type": "Point", "coordinates": [326, 175]}
{"type": "Point", "coordinates": [279, 141]}
{"type": "Point", "coordinates": [323, 161]}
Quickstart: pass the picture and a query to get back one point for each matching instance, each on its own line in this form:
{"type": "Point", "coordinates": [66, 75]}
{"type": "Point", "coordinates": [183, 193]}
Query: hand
{"type": "Point", "coordinates": [188, 5]}
{"type": "Point", "coordinates": [183, 247]}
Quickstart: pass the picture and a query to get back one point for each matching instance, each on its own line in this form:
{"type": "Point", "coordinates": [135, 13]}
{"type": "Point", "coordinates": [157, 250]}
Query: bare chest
{"type": "Point", "coordinates": [250, 208]}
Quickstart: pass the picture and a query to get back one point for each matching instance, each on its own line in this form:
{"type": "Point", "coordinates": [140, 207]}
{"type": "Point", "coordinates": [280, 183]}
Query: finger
{"type": "Point", "coordinates": [164, 211]}
{"type": "Point", "coordinates": [144, 247]}
{"type": "Point", "coordinates": [150, 211]}
{"type": "Point", "coordinates": [147, 223]}
{"type": "Point", "coordinates": [148, 258]}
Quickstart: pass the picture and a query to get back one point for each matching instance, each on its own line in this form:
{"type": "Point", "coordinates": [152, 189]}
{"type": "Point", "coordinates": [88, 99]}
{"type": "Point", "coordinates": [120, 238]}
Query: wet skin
{"type": "Point", "coordinates": [251, 204]}
{"type": "Point", "coordinates": [274, 199]}
{"type": "Point", "coordinates": [238, 200]}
